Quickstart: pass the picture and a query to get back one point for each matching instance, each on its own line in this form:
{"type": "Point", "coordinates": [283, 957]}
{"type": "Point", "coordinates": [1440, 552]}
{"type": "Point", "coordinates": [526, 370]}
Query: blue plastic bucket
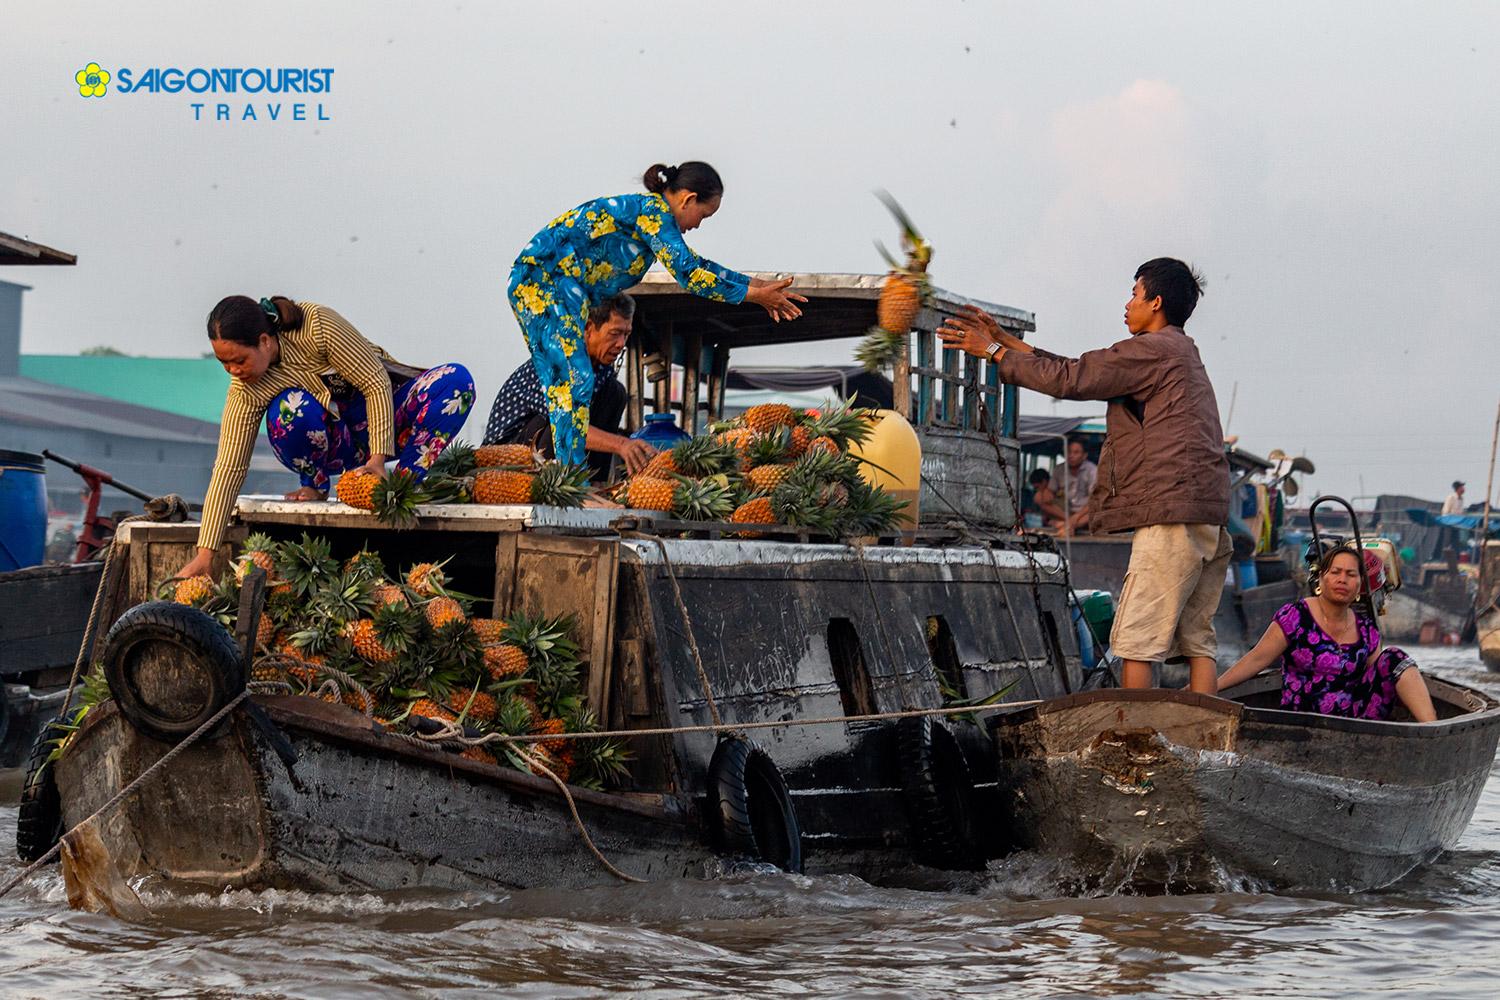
{"type": "Point", "coordinates": [23, 510]}
{"type": "Point", "coordinates": [660, 431]}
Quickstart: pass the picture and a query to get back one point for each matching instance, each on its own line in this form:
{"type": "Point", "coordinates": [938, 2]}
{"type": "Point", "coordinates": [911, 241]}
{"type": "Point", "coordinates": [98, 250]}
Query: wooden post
{"type": "Point", "coordinates": [950, 386]}
{"type": "Point", "coordinates": [925, 340]}
{"type": "Point", "coordinates": [971, 392]}
{"type": "Point", "coordinates": [664, 386]}
{"type": "Point", "coordinates": [901, 383]}
{"type": "Point", "coordinates": [692, 359]}
{"type": "Point", "coordinates": [718, 374]}
{"type": "Point", "coordinates": [1484, 522]}
{"type": "Point", "coordinates": [634, 383]}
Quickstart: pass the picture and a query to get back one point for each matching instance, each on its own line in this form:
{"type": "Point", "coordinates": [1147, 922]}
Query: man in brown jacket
{"type": "Point", "coordinates": [1162, 471]}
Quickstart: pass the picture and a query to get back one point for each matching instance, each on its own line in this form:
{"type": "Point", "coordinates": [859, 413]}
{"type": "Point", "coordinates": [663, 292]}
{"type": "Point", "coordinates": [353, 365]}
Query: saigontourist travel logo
{"type": "Point", "coordinates": [228, 94]}
{"type": "Point", "coordinates": [92, 81]}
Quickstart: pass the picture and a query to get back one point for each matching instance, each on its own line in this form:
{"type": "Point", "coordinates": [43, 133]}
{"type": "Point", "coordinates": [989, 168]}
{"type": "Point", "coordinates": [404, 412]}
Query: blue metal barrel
{"type": "Point", "coordinates": [23, 510]}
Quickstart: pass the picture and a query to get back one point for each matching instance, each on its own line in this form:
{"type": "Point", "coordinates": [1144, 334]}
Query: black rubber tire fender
{"type": "Point", "coordinates": [939, 794]}
{"type": "Point", "coordinates": [199, 642]}
{"type": "Point", "coordinates": [750, 806]}
{"type": "Point", "coordinates": [39, 815]}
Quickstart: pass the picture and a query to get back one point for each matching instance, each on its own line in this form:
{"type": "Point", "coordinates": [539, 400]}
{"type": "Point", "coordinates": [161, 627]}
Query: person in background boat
{"type": "Point", "coordinates": [1039, 502]}
{"type": "Point", "coordinates": [1331, 655]}
{"type": "Point", "coordinates": [604, 247]}
{"type": "Point", "coordinates": [1082, 476]}
{"type": "Point", "coordinates": [328, 400]}
{"type": "Point", "coordinates": [1162, 471]}
{"type": "Point", "coordinates": [1455, 502]}
{"type": "Point", "coordinates": [520, 411]}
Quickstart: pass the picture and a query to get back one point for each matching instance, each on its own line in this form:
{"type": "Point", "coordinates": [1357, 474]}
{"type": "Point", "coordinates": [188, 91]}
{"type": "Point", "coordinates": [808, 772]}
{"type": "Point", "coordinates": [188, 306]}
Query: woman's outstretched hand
{"type": "Point", "coordinates": [773, 297]}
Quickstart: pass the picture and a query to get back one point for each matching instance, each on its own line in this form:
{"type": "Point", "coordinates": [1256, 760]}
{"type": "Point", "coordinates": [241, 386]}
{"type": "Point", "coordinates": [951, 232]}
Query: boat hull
{"type": "Point", "coordinates": [357, 810]}
{"type": "Point", "coordinates": [1173, 790]}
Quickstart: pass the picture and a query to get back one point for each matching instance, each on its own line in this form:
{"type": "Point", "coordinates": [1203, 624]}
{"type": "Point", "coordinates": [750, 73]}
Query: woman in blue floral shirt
{"type": "Point", "coordinates": [604, 247]}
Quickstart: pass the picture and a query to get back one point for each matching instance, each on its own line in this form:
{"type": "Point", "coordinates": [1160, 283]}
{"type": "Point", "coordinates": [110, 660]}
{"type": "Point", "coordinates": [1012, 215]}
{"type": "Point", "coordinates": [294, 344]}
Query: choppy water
{"type": "Point", "coordinates": [1437, 934]}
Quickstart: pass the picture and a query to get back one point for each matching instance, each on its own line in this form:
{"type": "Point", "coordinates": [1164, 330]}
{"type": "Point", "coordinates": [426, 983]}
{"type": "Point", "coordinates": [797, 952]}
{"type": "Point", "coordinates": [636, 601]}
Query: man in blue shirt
{"type": "Point", "coordinates": [519, 414]}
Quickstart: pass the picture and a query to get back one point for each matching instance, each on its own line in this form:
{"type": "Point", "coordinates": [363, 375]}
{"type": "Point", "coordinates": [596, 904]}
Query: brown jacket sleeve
{"type": "Point", "coordinates": [1121, 369]}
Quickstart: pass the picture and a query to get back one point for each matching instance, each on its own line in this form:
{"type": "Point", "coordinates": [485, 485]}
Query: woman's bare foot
{"type": "Point", "coordinates": [307, 493]}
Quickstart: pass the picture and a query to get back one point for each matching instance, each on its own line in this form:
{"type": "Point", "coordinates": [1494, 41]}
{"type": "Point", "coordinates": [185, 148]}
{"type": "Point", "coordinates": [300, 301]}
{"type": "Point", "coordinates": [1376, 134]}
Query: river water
{"type": "Point", "coordinates": [1436, 933]}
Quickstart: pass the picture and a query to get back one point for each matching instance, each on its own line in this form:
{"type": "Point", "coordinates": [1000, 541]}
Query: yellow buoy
{"type": "Point", "coordinates": [894, 448]}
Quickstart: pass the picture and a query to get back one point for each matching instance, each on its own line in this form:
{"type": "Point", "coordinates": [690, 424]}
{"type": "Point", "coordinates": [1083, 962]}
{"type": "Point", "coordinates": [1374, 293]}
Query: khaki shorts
{"type": "Point", "coordinates": [1171, 592]}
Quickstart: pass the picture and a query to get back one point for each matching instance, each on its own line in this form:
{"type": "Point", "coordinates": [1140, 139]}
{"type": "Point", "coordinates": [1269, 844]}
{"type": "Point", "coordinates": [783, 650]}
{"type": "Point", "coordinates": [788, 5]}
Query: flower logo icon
{"type": "Point", "coordinates": [92, 81]}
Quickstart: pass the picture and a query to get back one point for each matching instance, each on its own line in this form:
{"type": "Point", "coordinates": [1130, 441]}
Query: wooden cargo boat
{"type": "Point", "coordinates": [789, 630]}
{"type": "Point", "coordinates": [1181, 791]}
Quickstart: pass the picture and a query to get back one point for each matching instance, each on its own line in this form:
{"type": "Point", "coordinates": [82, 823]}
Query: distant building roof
{"type": "Point", "coordinates": [28, 403]}
{"type": "Point", "coordinates": [190, 387]}
{"type": "Point", "coordinates": [14, 250]}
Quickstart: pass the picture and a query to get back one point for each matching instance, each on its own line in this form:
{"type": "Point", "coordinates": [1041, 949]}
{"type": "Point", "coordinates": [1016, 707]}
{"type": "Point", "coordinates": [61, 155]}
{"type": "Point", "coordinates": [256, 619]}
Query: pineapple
{"type": "Point", "coordinates": [309, 565]}
{"type": "Point", "coordinates": [457, 460]}
{"type": "Point", "coordinates": [739, 438]}
{"type": "Point", "coordinates": [559, 485]}
{"type": "Point", "coordinates": [394, 498]}
{"type": "Point", "coordinates": [491, 456]}
{"type": "Point", "coordinates": [265, 632]}
{"type": "Point", "coordinates": [823, 444]}
{"type": "Point", "coordinates": [194, 590]}
{"type": "Point", "coordinates": [905, 289]}
{"type": "Point", "coordinates": [430, 709]}
{"type": "Point", "coordinates": [267, 672]}
{"type": "Point", "coordinates": [765, 478]}
{"type": "Point", "coordinates": [488, 629]}
{"type": "Point", "coordinates": [503, 486]}
{"type": "Point", "coordinates": [756, 510]}
{"type": "Point", "coordinates": [356, 488]}
{"type": "Point", "coordinates": [388, 593]}
{"type": "Point", "coordinates": [379, 640]}
{"type": "Point", "coordinates": [703, 499]}
{"type": "Point", "coordinates": [841, 427]}
{"type": "Point", "coordinates": [647, 493]}
{"type": "Point", "coordinates": [428, 579]}
{"type": "Point", "coordinates": [798, 439]}
{"type": "Point", "coordinates": [475, 705]}
{"type": "Point", "coordinates": [364, 565]}
{"type": "Point", "coordinates": [550, 726]}
{"type": "Point", "coordinates": [705, 455]}
{"type": "Point", "coordinates": [259, 550]}
{"type": "Point", "coordinates": [502, 661]}
{"type": "Point", "coordinates": [439, 611]}
{"type": "Point", "coordinates": [359, 701]}
{"type": "Point", "coordinates": [480, 754]}
{"type": "Point", "coordinates": [769, 416]}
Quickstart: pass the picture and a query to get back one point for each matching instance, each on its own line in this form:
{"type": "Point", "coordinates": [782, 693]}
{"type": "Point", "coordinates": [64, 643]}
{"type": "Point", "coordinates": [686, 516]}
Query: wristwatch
{"type": "Point", "coordinates": [995, 348]}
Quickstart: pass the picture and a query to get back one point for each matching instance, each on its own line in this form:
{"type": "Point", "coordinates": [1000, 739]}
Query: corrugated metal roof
{"type": "Point", "coordinates": [190, 387]}
{"type": "Point", "coordinates": [27, 402]}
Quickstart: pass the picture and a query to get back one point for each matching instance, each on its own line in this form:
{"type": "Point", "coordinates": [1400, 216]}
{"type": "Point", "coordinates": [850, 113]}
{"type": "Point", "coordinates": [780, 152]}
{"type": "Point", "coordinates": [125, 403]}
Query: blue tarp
{"type": "Point", "coordinates": [1465, 522]}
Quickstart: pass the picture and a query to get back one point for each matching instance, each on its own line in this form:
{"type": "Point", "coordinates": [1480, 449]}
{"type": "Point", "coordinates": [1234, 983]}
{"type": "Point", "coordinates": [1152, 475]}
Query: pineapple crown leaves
{"type": "Point", "coordinates": [708, 499]}
{"type": "Point", "coordinates": [880, 349]}
{"type": "Point", "coordinates": [457, 461]}
{"type": "Point", "coordinates": [309, 564]}
{"type": "Point", "coordinates": [395, 498]}
{"type": "Point", "coordinates": [769, 447]}
{"type": "Point", "coordinates": [397, 626]}
{"type": "Point", "coordinates": [918, 250]}
{"type": "Point", "coordinates": [704, 455]}
{"type": "Point", "coordinates": [349, 596]}
{"type": "Point", "coordinates": [364, 564]}
{"type": "Point", "coordinates": [457, 647]}
{"type": "Point", "coordinates": [845, 424]}
{"type": "Point", "coordinates": [444, 488]}
{"type": "Point", "coordinates": [560, 485]}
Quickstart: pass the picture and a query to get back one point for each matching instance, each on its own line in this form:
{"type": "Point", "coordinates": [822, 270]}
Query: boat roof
{"type": "Point", "coordinates": [15, 250]}
{"type": "Point", "coordinates": [839, 306]}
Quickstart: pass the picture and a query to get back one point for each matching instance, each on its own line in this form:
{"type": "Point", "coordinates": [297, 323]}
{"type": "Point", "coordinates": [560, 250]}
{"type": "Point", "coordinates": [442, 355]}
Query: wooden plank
{"type": "Point", "coordinates": [717, 376]}
{"type": "Point", "coordinates": [560, 574]}
{"type": "Point", "coordinates": [505, 575]}
{"type": "Point", "coordinates": [335, 519]}
{"type": "Point", "coordinates": [663, 388]}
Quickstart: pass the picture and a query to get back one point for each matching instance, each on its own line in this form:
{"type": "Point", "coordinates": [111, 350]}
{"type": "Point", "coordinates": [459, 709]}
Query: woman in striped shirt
{"type": "Point", "coordinates": [329, 402]}
{"type": "Point", "coordinates": [600, 249]}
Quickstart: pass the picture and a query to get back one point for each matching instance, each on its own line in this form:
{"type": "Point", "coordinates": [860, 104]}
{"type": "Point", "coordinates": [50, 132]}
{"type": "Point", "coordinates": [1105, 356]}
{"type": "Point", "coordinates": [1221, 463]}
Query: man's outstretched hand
{"type": "Point", "coordinates": [973, 331]}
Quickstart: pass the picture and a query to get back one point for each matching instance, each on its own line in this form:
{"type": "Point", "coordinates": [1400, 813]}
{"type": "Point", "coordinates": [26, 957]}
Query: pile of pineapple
{"type": "Point", "coordinates": [490, 474]}
{"type": "Point", "coordinates": [413, 647]}
{"type": "Point", "coordinates": [773, 465]}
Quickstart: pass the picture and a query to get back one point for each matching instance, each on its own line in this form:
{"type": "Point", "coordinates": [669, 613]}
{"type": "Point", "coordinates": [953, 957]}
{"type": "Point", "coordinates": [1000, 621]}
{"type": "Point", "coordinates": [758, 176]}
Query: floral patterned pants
{"type": "Point", "coordinates": [315, 444]}
{"type": "Point", "coordinates": [552, 310]}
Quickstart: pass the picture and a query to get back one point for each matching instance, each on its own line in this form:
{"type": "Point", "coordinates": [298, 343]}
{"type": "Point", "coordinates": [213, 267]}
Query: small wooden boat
{"type": "Point", "coordinates": [1171, 790]}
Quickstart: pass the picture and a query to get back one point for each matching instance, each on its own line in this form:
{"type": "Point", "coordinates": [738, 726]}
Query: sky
{"type": "Point", "coordinates": [1329, 167]}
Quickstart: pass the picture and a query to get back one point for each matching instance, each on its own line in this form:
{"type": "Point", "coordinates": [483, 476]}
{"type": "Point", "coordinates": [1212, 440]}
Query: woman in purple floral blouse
{"type": "Point", "coordinates": [1331, 657]}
